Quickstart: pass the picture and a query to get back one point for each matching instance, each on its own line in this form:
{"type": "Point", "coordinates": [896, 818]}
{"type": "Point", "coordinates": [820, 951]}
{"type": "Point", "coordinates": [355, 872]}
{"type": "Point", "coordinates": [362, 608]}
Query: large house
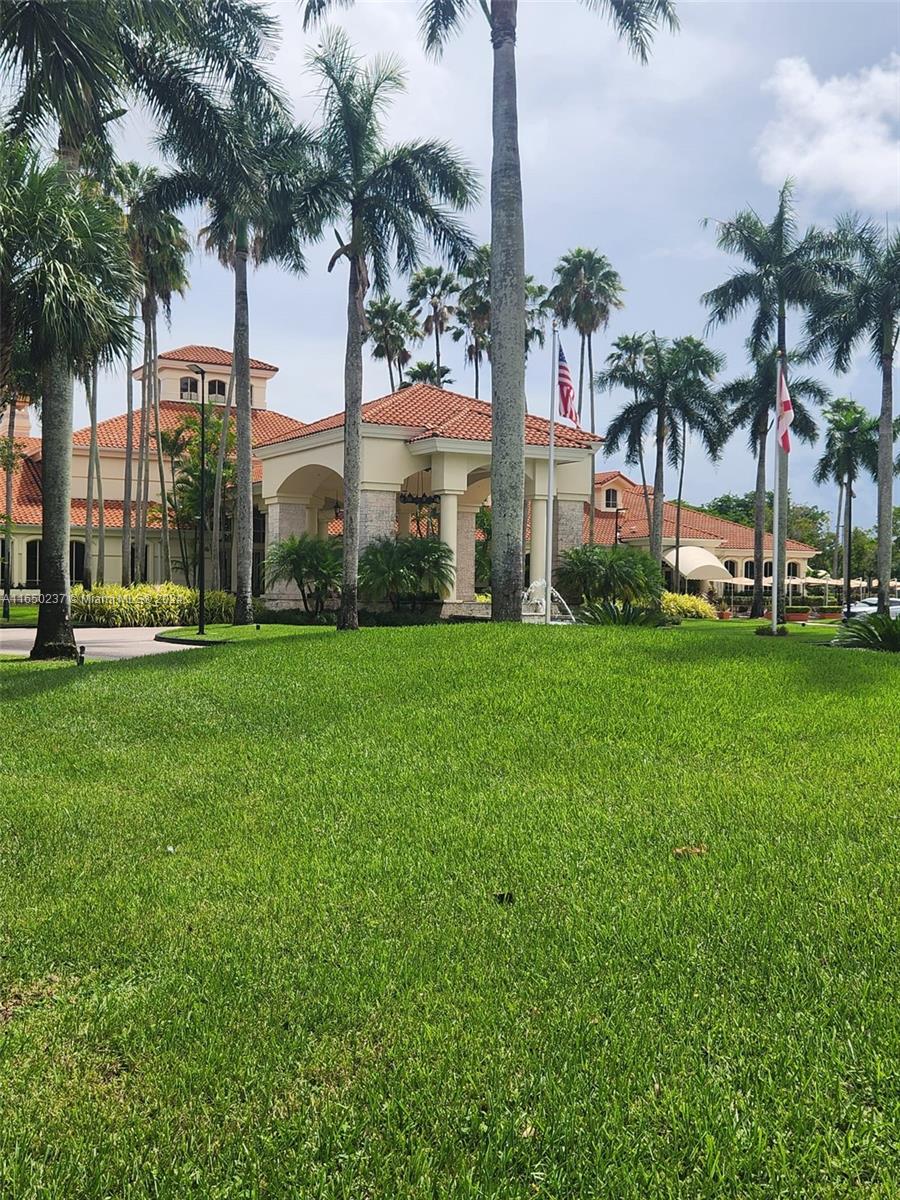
{"type": "Point", "coordinates": [421, 446]}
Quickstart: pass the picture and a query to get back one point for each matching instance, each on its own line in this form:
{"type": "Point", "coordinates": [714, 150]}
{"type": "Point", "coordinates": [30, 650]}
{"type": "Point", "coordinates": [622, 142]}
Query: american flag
{"type": "Point", "coordinates": [566, 390]}
{"type": "Point", "coordinates": [785, 412]}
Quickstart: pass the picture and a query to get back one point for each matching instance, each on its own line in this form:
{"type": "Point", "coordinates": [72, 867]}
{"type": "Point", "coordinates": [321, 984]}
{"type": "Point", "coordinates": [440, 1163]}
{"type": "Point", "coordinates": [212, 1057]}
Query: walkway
{"type": "Point", "coordinates": [98, 643]}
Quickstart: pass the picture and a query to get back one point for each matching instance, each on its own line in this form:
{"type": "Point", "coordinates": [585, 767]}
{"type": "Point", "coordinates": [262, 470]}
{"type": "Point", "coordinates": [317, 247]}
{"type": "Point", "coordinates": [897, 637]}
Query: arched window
{"type": "Point", "coordinates": [76, 561]}
{"type": "Point", "coordinates": [750, 569]}
{"type": "Point", "coordinates": [33, 564]}
{"type": "Point", "coordinates": [217, 388]}
{"type": "Point", "coordinates": [767, 570]}
{"type": "Point", "coordinates": [731, 566]}
{"type": "Point", "coordinates": [793, 570]}
{"type": "Point", "coordinates": [611, 498]}
{"type": "Point", "coordinates": [187, 387]}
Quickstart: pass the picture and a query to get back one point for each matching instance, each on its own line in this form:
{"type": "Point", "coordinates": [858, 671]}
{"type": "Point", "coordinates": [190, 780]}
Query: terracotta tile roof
{"type": "Point", "coordinates": [26, 507]}
{"type": "Point", "coordinates": [695, 526]}
{"type": "Point", "coordinates": [436, 412]}
{"type": "Point", "coordinates": [211, 356]}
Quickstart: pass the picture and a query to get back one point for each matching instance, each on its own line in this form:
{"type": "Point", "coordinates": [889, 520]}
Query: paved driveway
{"type": "Point", "coordinates": [98, 643]}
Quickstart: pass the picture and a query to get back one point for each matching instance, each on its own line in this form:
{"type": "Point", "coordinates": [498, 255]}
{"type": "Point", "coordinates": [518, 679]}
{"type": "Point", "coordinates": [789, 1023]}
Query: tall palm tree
{"type": "Point", "coordinates": [389, 198]}
{"type": "Point", "coordinates": [432, 288]}
{"type": "Point", "coordinates": [624, 365]}
{"type": "Point", "coordinates": [867, 306]}
{"type": "Point", "coordinates": [784, 270]}
{"type": "Point", "coordinates": [473, 312]}
{"type": "Point", "coordinates": [250, 181]}
{"type": "Point", "coordinates": [71, 305]}
{"type": "Point", "coordinates": [78, 65]}
{"type": "Point", "coordinates": [637, 22]}
{"type": "Point", "coordinates": [587, 289]}
{"type": "Point", "coordinates": [391, 326]}
{"type": "Point", "coordinates": [850, 448]}
{"type": "Point", "coordinates": [671, 393]}
{"type": "Point", "coordinates": [750, 402]}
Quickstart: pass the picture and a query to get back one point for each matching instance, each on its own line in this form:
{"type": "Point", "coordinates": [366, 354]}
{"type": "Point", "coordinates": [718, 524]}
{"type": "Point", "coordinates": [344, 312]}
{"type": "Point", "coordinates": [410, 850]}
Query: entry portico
{"type": "Point", "coordinates": [422, 445]}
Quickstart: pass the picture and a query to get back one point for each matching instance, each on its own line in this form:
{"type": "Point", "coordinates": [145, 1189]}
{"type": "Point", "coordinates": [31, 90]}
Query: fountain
{"type": "Point", "coordinates": [534, 601]}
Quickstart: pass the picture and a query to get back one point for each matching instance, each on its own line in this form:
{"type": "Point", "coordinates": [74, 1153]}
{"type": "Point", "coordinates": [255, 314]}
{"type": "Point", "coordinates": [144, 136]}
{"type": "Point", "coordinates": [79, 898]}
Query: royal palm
{"type": "Point", "coordinates": [637, 22]}
{"type": "Point", "coordinates": [850, 448]}
{"type": "Point", "coordinates": [431, 289]}
{"type": "Point", "coordinates": [391, 327]}
{"type": "Point", "coordinates": [387, 199]}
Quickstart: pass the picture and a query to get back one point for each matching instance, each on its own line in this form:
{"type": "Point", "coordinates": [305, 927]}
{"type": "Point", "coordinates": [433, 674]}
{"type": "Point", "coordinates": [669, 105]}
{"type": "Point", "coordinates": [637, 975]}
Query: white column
{"type": "Point", "coordinates": [538, 539]}
{"type": "Point", "coordinates": [324, 517]}
{"type": "Point", "coordinates": [449, 521]}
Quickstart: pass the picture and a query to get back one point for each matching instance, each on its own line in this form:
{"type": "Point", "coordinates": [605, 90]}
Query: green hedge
{"type": "Point", "coordinates": [114, 606]}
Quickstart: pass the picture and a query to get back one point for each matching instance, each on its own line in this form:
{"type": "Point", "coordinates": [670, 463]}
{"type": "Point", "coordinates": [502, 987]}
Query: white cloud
{"type": "Point", "coordinates": [837, 135]}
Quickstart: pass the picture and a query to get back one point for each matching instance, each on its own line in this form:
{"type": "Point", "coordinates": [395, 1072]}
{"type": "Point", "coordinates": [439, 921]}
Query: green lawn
{"type": "Point", "coordinates": [21, 615]}
{"type": "Point", "coordinates": [251, 948]}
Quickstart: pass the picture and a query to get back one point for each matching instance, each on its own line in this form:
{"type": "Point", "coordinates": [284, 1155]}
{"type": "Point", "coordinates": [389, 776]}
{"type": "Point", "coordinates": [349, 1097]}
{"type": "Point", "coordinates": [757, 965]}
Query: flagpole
{"type": "Point", "coordinates": [548, 546]}
{"type": "Point", "coordinates": [776, 503]}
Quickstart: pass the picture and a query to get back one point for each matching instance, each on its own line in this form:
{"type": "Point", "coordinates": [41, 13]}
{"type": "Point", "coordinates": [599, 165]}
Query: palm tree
{"type": "Point", "coordinates": [432, 288]}
{"type": "Point", "coordinates": [250, 181]}
{"type": "Point", "coordinates": [586, 290]}
{"type": "Point", "coordinates": [390, 327]}
{"type": "Point", "coordinates": [671, 393]}
{"type": "Point", "coordinates": [473, 312]}
{"type": "Point", "coordinates": [783, 271]}
{"type": "Point", "coordinates": [851, 446]}
{"type": "Point", "coordinates": [537, 308]}
{"type": "Point", "coordinates": [750, 402]}
{"type": "Point", "coordinates": [634, 20]}
{"type": "Point", "coordinates": [624, 365]}
{"type": "Point", "coordinates": [389, 198]}
{"type": "Point", "coordinates": [427, 372]}
{"type": "Point", "coordinates": [77, 65]}
{"type": "Point", "coordinates": [867, 306]}
{"type": "Point", "coordinates": [71, 307]}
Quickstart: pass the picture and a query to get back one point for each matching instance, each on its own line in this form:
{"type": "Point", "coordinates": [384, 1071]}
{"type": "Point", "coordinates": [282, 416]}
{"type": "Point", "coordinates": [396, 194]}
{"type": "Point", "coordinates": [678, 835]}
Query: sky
{"type": "Point", "coordinates": [624, 158]}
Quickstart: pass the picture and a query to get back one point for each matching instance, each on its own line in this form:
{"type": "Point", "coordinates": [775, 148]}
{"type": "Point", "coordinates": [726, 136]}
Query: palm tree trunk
{"type": "Point", "coordinates": [477, 372]}
{"type": "Point", "coordinates": [437, 347]}
{"type": "Point", "coordinates": [348, 617]}
{"type": "Point", "coordinates": [678, 579]}
{"type": "Point", "coordinates": [848, 533]}
{"type": "Point", "coordinates": [100, 573]}
{"type": "Point", "coordinates": [836, 556]}
{"type": "Point", "coordinates": [656, 529]}
{"type": "Point", "coordinates": [390, 367]}
{"type": "Point", "coordinates": [759, 522]}
{"type": "Point", "coordinates": [885, 473]}
{"type": "Point", "coordinates": [140, 539]}
{"type": "Point", "coordinates": [129, 455]}
{"type": "Point", "coordinates": [593, 495]}
{"type": "Point", "coordinates": [643, 468]}
{"type": "Point", "coordinates": [87, 574]}
{"type": "Point", "coordinates": [219, 483]}
{"type": "Point", "coordinates": [54, 638]}
{"type": "Point", "coordinates": [581, 377]}
{"type": "Point", "coordinates": [507, 325]}
{"type": "Point", "coordinates": [160, 468]}
{"type": "Point", "coordinates": [10, 465]}
{"type": "Point", "coordinates": [781, 458]}
{"type": "Point", "coordinates": [243, 525]}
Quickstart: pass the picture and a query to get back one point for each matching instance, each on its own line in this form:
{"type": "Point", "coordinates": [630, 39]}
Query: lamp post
{"type": "Point", "coordinates": [201, 566]}
{"type": "Point", "coordinates": [619, 512]}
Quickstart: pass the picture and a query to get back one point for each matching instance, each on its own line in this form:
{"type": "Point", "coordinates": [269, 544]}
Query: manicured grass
{"type": "Point", "coordinates": [23, 616]}
{"type": "Point", "coordinates": [251, 945]}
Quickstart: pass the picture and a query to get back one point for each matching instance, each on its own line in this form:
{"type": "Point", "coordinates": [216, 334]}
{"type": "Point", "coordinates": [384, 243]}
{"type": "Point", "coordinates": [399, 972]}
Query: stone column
{"type": "Point", "coordinates": [377, 515]}
{"type": "Point", "coordinates": [324, 518]}
{"type": "Point", "coordinates": [284, 519]}
{"type": "Point", "coordinates": [538, 540]}
{"type": "Point", "coordinates": [465, 553]}
{"type": "Point", "coordinates": [568, 527]}
{"type": "Point", "coordinates": [449, 521]}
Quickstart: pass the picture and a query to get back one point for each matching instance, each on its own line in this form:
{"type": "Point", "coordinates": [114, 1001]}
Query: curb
{"type": "Point", "coordinates": [186, 641]}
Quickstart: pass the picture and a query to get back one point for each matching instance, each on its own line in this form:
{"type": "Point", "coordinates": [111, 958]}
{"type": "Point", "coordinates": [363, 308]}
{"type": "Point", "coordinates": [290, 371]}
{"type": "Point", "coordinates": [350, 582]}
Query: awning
{"type": "Point", "coordinates": [697, 563]}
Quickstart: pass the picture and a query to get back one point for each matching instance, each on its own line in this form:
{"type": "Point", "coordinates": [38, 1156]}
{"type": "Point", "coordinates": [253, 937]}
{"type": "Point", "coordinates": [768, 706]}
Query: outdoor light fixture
{"type": "Point", "coordinates": [201, 572]}
{"type": "Point", "coordinates": [848, 544]}
{"type": "Point", "coordinates": [619, 513]}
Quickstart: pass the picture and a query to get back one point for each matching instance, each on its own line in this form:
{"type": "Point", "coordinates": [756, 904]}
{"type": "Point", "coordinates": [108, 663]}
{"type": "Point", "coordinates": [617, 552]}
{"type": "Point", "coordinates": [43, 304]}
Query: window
{"type": "Point", "coordinates": [731, 565]}
{"type": "Point", "coordinates": [750, 569]}
{"type": "Point", "coordinates": [767, 570]}
{"type": "Point", "coordinates": [611, 498]}
{"type": "Point", "coordinates": [33, 564]}
{"type": "Point", "coordinates": [76, 561]}
{"type": "Point", "coordinates": [217, 388]}
{"type": "Point", "coordinates": [3, 562]}
{"type": "Point", "coordinates": [188, 387]}
{"type": "Point", "coordinates": [793, 570]}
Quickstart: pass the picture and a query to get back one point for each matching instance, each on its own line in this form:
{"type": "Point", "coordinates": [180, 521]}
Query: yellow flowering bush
{"type": "Point", "coordinates": [690, 608]}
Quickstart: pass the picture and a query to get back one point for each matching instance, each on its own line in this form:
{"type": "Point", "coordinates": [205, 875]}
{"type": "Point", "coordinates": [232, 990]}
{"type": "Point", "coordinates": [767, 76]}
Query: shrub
{"type": "Point", "coordinates": [691, 608]}
{"type": "Point", "coordinates": [766, 631]}
{"type": "Point", "coordinates": [797, 608]}
{"type": "Point", "coordinates": [611, 573]}
{"type": "Point", "coordinates": [604, 612]}
{"type": "Point", "coordinates": [878, 632]}
{"type": "Point", "coordinates": [115, 606]}
{"type": "Point", "coordinates": [399, 569]}
{"type": "Point", "coordinates": [314, 564]}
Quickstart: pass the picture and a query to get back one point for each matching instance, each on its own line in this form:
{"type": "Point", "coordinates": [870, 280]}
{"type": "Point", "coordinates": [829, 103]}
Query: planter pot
{"type": "Point", "coordinates": [797, 617]}
{"type": "Point", "coordinates": [725, 615]}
